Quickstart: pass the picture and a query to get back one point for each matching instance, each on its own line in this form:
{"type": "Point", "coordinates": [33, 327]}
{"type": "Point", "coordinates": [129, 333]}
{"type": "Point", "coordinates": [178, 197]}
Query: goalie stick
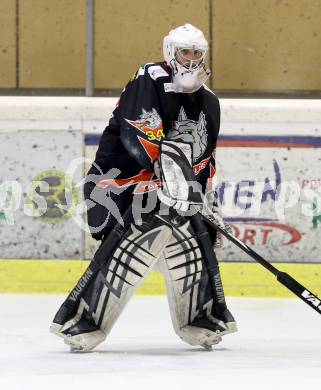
{"type": "Point", "coordinates": [198, 219]}
{"type": "Point", "coordinates": [290, 283]}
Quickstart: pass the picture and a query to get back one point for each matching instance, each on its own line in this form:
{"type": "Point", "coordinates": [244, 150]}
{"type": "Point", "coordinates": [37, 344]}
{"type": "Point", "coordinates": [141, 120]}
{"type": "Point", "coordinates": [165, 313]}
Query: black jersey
{"type": "Point", "coordinates": [147, 111]}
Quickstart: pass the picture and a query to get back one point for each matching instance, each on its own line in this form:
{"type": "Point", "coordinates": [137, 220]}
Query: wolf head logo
{"type": "Point", "coordinates": [191, 131]}
{"type": "Point", "coordinates": [150, 119]}
{"type": "Point", "coordinates": [150, 123]}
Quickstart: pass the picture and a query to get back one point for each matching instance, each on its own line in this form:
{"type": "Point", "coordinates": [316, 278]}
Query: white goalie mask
{"type": "Point", "coordinates": [185, 50]}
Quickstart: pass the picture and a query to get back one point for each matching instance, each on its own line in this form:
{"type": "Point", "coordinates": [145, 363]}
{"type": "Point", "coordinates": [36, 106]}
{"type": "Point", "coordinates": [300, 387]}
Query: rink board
{"type": "Point", "coordinates": [240, 279]}
{"type": "Point", "coordinates": [264, 145]}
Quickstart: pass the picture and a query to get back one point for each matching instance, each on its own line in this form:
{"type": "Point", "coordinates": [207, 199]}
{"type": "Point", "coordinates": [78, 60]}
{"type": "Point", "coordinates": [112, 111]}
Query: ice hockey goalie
{"type": "Point", "coordinates": [165, 108]}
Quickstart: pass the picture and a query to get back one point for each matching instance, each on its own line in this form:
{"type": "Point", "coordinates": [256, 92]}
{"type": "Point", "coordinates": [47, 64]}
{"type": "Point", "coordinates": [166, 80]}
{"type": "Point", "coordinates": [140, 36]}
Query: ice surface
{"type": "Point", "coordinates": [278, 346]}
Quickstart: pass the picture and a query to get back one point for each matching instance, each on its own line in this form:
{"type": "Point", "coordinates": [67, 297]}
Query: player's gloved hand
{"type": "Point", "coordinates": [175, 188]}
{"type": "Point", "coordinates": [211, 208]}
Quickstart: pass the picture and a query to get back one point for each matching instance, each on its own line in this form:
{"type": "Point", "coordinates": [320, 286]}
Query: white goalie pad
{"type": "Point", "coordinates": [197, 313]}
{"type": "Point", "coordinates": [113, 285]}
{"type": "Point", "coordinates": [193, 307]}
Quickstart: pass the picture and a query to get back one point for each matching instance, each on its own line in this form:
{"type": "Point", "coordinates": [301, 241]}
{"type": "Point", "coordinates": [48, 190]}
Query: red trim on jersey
{"type": "Point", "coordinates": [143, 175]}
{"type": "Point", "coordinates": [201, 165]}
{"type": "Point", "coordinates": [210, 180]}
{"type": "Point", "coordinates": [151, 149]}
{"type": "Point", "coordinates": [143, 187]}
{"type": "Point", "coordinates": [144, 127]}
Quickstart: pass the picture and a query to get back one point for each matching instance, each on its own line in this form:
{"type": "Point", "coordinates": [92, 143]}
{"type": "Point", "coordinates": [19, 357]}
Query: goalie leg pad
{"type": "Point", "coordinates": [196, 315]}
{"type": "Point", "coordinates": [112, 285]}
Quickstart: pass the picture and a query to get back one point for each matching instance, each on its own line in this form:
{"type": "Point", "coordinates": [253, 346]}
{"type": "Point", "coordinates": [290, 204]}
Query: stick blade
{"type": "Point", "coordinates": [307, 296]}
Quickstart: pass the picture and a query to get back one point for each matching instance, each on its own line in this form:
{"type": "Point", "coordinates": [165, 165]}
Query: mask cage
{"type": "Point", "coordinates": [190, 57]}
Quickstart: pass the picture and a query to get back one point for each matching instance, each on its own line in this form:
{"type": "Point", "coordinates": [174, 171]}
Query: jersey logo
{"type": "Point", "coordinates": [191, 131]}
{"type": "Point", "coordinates": [157, 71]}
{"type": "Point", "coordinates": [149, 123]}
